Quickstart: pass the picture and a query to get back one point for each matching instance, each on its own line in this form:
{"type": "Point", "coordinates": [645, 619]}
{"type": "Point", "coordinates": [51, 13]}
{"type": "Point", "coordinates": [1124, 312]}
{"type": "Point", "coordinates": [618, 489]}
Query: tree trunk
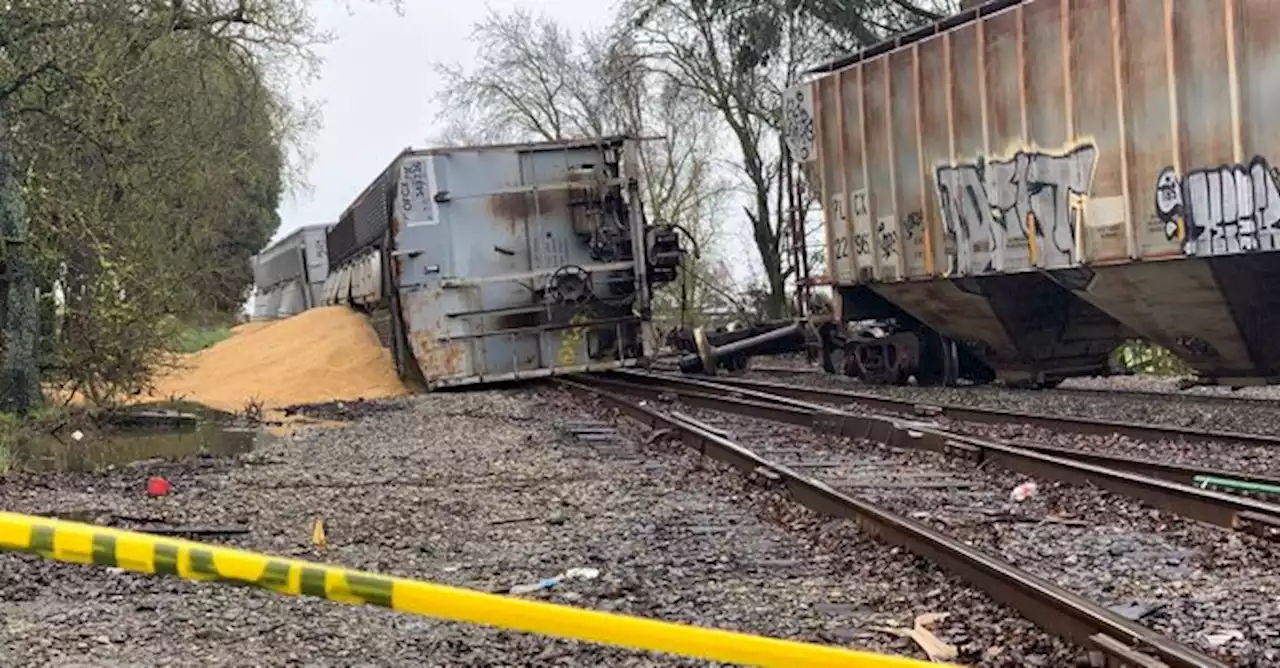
{"type": "Point", "coordinates": [770, 255]}
{"type": "Point", "coordinates": [20, 372]}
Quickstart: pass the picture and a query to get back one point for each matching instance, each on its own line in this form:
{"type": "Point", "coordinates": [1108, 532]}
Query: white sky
{"type": "Point", "coordinates": [377, 91]}
{"type": "Point", "coordinates": [378, 84]}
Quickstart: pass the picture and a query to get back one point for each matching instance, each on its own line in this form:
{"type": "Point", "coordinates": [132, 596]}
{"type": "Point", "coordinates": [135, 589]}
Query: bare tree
{"type": "Point", "coordinates": [529, 83]}
{"type": "Point", "coordinates": [739, 56]}
{"type": "Point", "coordinates": [725, 53]}
{"type": "Point", "coordinates": [536, 81]}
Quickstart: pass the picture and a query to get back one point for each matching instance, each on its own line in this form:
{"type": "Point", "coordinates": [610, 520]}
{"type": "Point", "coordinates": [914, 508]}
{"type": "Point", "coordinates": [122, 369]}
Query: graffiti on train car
{"type": "Point", "coordinates": [797, 114]}
{"type": "Point", "coordinates": [913, 226]}
{"type": "Point", "coordinates": [414, 191]}
{"type": "Point", "coordinates": [887, 233]}
{"type": "Point", "coordinates": [1221, 210]}
{"type": "Point", "coordinates": [862, 244]}
{"type": "Point", "coordinates": [988, 206]}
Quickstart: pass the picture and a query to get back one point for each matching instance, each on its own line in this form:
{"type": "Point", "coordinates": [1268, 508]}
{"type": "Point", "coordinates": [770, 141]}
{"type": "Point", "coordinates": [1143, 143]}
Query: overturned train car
{"type": "Point", "coordinates": [499, 263]}
{"type": "Point", "coordinates": [1016, 190]}
{"type": "Point", "coordinates": [289, 275]}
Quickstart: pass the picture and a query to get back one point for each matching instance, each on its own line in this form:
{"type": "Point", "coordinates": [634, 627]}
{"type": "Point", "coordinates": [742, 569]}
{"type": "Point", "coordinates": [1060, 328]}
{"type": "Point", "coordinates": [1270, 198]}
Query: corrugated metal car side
{"type": "Point", "coordinates": [1049, 134]}
{"type": "Point", "coordinates": [363, 223]}
{"type": "Point", "coordinates": [277, 264]}
{"type": "Point", "coordinates": [340, 242]}
{"type": "Point", "coordinates": [373, 211]}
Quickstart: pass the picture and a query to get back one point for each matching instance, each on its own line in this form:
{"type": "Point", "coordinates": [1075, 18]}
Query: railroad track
{"type": "Point", "coordinates": [1183, 473]}
{"type": "Point", "coordinates": [1078, 425]}
{"type": "Point", "coordinates": [1056, 609]}
{"type": "Point", "coordinates": [1219, 399]}
{"type": "Point", "coordinates": [1226, 510]}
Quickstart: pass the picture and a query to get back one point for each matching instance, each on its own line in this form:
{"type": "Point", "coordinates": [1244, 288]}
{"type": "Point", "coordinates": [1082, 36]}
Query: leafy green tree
{"type": "Point", "coordinates": [849, 25]}
{"type": "Point", "coordinates": [143, 147]}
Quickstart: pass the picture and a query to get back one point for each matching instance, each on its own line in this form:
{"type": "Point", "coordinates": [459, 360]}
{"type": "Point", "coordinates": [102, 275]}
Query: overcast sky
{"type": "Point", "coordinates": [378, 84]}
{"type": "Point", "coordinates": [377, 94]}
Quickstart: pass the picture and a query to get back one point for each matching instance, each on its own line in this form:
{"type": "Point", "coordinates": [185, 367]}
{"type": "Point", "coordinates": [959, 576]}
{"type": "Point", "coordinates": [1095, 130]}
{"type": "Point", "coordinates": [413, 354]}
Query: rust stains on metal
{"type": "Point", "coordinates": [437, 359]}
{"type": "Point", "coordinates": [520, 206]}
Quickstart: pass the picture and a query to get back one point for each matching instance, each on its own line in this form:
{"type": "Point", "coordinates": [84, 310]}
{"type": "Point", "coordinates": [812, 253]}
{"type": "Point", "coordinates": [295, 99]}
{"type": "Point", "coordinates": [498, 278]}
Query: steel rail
{"type": "Point", "coordinates": [1172, 396]}
{"type": "Point", "coordinates": [1077, 425]}
{"type": "Point", "coordinates": [1222, 509]}
{"type": "Point", "coordinates": [1056, 610]}
{"type": "Point", "coordinates": [1102, 393]}
{"type": "Point", "coordinates": [1182, 473]}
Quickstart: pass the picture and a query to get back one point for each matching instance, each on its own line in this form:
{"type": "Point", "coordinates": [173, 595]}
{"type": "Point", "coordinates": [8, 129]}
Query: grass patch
{"type": "Point", "coordinates": [194, 339]}
{"type": "Point", "coordinates": [1149, 359]}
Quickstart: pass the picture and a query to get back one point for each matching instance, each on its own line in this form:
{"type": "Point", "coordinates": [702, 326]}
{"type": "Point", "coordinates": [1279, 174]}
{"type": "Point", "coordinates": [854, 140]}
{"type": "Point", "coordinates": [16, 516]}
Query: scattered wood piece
{"type": "Point", "coordinates": [318, 538]}
{"type": "Point", "coordinates": [920, 633]}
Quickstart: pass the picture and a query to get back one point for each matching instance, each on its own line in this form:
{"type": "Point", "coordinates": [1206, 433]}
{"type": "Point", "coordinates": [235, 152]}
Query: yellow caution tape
{"type": "Point", "coordinates": [78, 543]}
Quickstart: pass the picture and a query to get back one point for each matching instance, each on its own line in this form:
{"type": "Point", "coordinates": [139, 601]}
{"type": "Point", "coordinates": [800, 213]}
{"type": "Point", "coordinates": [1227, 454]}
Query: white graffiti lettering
{"type": "Point", "coordinates": [1220, 211]}
{"type": "Point", "coordinates": [1028, 200]}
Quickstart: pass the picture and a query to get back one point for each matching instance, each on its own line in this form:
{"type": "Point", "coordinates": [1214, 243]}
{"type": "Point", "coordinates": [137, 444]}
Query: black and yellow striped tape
{"type": "Point", "coordinates": [144, 553]}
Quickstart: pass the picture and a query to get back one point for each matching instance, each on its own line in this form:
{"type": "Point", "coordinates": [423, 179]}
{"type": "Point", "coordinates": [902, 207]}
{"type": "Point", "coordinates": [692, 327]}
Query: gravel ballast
{"type": "Point", "coordinates": [1213, 589]}
{"type": "Point", "coordinates": [479, 490]}
{"type": "Point", "coordinates": [1243, 415]}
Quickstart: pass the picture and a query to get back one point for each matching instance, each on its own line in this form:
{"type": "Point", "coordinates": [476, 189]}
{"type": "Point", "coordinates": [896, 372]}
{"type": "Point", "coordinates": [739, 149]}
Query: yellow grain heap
{"type": "Point", "coordinates": [324, 354]}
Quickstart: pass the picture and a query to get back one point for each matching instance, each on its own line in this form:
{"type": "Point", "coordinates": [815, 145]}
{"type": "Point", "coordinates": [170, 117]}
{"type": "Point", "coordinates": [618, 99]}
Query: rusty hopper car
{"type": "Point", "coordinates": [498, 263]}
{"type": "Point", "coordinates": [1016, 190]}
{"type": "Point", "coordinates": [289, 275]}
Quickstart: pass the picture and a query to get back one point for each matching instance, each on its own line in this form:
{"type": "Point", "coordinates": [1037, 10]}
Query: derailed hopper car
{"type": "Point", "coordinates": [497, 263]}
{"type": "Point", "coordinates": [289, 275]}
{"type": "Point", "coordinates": [1016, 190]}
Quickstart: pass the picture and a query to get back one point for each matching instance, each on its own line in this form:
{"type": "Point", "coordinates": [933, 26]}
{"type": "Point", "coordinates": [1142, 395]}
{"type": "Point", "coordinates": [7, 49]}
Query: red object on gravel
{"type": "Point", "coordinates": [157, 486]}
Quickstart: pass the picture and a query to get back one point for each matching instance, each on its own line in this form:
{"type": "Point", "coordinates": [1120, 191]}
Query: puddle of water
{"type": "Point", "coordinates": [121, 447]}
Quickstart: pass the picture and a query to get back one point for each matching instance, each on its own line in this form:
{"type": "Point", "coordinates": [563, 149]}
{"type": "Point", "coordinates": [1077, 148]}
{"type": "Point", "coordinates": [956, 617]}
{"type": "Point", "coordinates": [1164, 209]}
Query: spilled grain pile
{"type": "Point", "coordinates": [325, 354]}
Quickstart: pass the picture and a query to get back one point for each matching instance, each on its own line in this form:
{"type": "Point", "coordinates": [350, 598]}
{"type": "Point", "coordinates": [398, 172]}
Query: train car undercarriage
{"type": "Point", "coordinates": [876, 352]}
{"type": "Point", "coordinates": [883, 353]}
